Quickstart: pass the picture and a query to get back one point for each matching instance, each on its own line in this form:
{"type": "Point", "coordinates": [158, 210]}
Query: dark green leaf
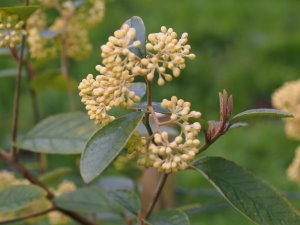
{"type": "Point", "coordinates": [156, 106]}
{"type": "Point", "coordinates": [52, 81]}
{"type": "Point", "coordinates": [23, 12]}
{"type": "Point", "coordinates": [60, 134]}
{"type": "Point", "coordinates": [139, 88]}
{"type": "Point", "coordinates": [138, 24]}
{"type": "Point", "coordinates": [18, 197]}
{"type": "Point", "coordinates": [249, 195]}
{"type": "Point", "coordinates": [127, 199]}
{"type": "Point", "coordinates": [106, 144]}
{"type": "Point", "coordinates": [169, 217]}
{"type": "Point", "coordinates": [55, 174]}
{"type": "Point", "coordinates": [87, 200]}
{"type": "Point", "coordinates": [253, 114]}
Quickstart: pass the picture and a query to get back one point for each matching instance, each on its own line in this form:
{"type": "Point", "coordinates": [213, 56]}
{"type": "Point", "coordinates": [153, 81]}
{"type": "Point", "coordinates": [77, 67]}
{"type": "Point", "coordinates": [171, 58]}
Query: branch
{"type": "Point", "coordinates": [156, 194]}
{"type": "Point", "coordinates": [34, 215]}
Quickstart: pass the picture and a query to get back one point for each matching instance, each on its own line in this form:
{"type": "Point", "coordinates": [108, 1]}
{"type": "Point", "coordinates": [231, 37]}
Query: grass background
{"type": "Point", "coordinates": [248, 48]}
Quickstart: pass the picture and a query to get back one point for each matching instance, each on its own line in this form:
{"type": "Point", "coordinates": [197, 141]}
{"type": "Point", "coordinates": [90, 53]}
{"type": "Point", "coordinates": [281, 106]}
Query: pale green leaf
{"type": "Point", "coordinates": [23, 12]}
{"type": "Point", "coordinates": [106, 144]}
{"type": "Point", "coordinates": [249, 195]}
{"type": "Point", "coordinates": [60, 134]}
{"type": "Point", "coordinates": [169, 217]}
{"type": "Point", "coordinates": [138, 24]}
{"type": "Point", "coordinates": [87, 200]}
{"type": "Point", "coordinates": [253, 114]}
{"type": "Point", "coordinates": [18, 197]}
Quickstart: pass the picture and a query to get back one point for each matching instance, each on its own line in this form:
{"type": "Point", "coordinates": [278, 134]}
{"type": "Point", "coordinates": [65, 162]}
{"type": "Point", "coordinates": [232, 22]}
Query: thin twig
{"type": "Point", "coordinates": [156, 194]}
{"type": "Point", "coordinates": [34, 215]}
{"type": "Point", "coordinates": [35, 107]}
{"type": "Point", "coordinates": [17, 99]}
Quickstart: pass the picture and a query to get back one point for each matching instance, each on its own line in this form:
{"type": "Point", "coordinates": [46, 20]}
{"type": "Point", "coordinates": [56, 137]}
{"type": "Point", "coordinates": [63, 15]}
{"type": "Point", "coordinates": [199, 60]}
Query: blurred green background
{"type": "Point", "coordinates": [249, 48]}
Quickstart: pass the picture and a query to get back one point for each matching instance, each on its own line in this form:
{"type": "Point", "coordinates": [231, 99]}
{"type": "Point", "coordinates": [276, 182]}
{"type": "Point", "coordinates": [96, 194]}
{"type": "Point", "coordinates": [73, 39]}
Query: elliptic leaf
{"type": "Point", "coordinates": [246, 193]}
{"type": "Point", "coordinates": [59, 134]}
{"type": "Point", "coordinates": [138, 24]}
{"type": "Point", "coordinates": [253, 114]}
{"type": "Point", "coordinates": [23, 12]}
{"type": "Point", "coordinates": [18, 197]}
{"type": "Point", "coordinates": [87, 200]}
{"type": "Point", "coordinates": [169, 217]}
{"type": "Point", "coordinates": [106, 144]}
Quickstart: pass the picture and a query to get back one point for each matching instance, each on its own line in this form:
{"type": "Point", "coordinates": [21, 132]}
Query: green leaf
{"type": "Point", "coordinates": [60, 134]}
{"type": "Point", "coordinates": [87, 200]}
{"type": "Point", "coordinates": [169, 217]}
{"type": "Point", "coordinates": [55, 174]}
{"type": "Point", "coordinates": [18, 197]}
{"type": "Point", "coordinates": [156, 106]}
{"type": "Point", "coordinates": [52, 81]}
{"type": "Point", "coordinates": [106, 144]}
{"type": "Point", "coordinates": [23, 12]}
{"type": "Point", "coordinates": [139, 88]}
{"type": "Point", "coordinates": [252, 114]}
{"type": "Point", "coordinates": [246, 193]}
{"type": "Point", "coordinates": [127, 199]}
{"type": "Point", "coordinates": [138, 24]}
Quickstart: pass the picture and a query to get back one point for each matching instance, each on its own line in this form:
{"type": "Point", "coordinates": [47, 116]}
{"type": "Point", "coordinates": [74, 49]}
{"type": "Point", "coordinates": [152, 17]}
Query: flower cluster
{"type": "Point", "coordinates": [287, 98]}
{"type": "Point", "coordinates": [112, 87]}
{"type": "Point", "coordinates": [173, 154]}
{"type": "Point", "coordinates": [166, 54]}
{"type": "Point", "coordinates": [120, 67]}
{"type": "Point", "coordinates": [11, 31]}
{"type": "Point", "coordinates": [71, 27]}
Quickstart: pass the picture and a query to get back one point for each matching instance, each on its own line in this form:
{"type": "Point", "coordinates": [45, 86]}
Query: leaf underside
{"type": "Point", "coordinates": [106, 144]}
